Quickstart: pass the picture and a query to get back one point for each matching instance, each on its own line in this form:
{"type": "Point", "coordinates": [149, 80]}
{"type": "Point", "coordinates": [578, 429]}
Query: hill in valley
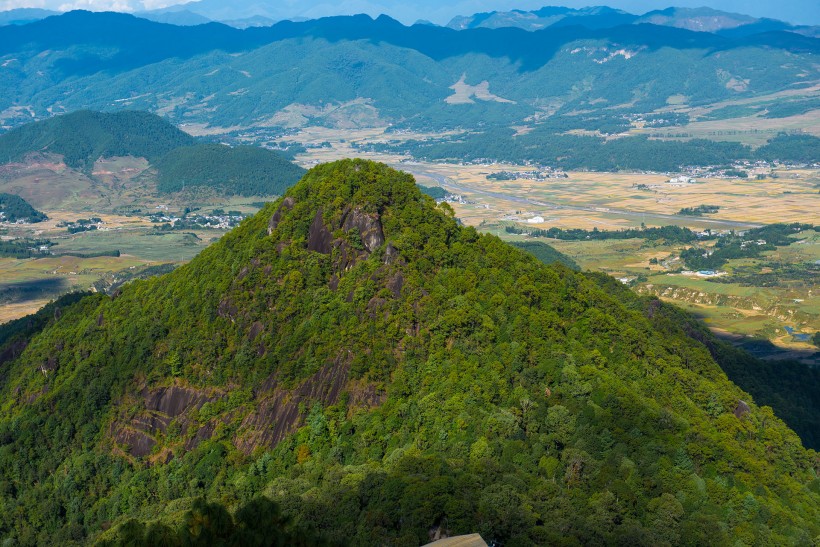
{"type": "Point", "coordinates": [14, 208]}
{"type": "Point", "coordinates": [244, 170]}
{"type": "Point", "coordinates": [381, 372]}
{"type": "Point", "coordinates": [77, 149]}
{"type": "Point", "coordinates": [83, 137]}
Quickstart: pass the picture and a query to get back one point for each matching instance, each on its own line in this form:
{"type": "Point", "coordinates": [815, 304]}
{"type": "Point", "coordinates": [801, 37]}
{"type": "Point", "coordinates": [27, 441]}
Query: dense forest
{"type": "Point", "coordinates": [14, 208]}
{"type": "Point", "coordinates": [241, 170]}
{"type": "Point", "coordinates": [546, 254]}
{"type": "Point", "coordinates": [354, 356]}
{"type": "Point", "coordinates": [84, 136]}
{"type": "Point", "coordinates": [435, 192]}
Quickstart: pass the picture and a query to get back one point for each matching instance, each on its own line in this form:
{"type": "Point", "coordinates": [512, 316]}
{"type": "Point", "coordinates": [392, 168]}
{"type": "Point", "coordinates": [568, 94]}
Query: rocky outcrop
{"type": "Point", "coordinates": [277, 412]}
{"type": "Point", "coordinates": [285, 206]}
{"type": "Point", "coordinates": [138, 434]}
{"type": "Point", "coordinates": [320, 239]}
{"type": "Point", "coordinates": [741, 409]}
{"type": "Point", "coordinates": [369, 228]}
{"type": "Point", "coordinates": [364, 234]}
{"type": "Point", "coordinates": [175, 400]}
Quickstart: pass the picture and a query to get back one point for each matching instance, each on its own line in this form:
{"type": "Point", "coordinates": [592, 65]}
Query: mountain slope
{"type": "Point", "coordinates": [245, 170]}
{"type": "Point", "coordinates": [381, 372]}
{"type": "Point", "coordinates": [179, 160]}
{"type": "Point", "coordinates": [356, 71]}
{"type": "Point", "coordinates": [83, 137]}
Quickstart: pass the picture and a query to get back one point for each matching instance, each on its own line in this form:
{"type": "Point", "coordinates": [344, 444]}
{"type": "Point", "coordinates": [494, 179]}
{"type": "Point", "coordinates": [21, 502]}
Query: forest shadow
{"type": "Point", "coordinates": [26, 291]}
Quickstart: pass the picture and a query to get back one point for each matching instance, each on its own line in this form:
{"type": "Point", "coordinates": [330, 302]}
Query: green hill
{"type": "Point", "coordinates": [14, 208]}
{"type": "Point", "coordinates": [382, 373]}
{"type": "Point", "coordinates": [179, 159]}
{"type": "Point", "coordinates": [83, 137]}
{"type": "Point", "coordinates": [245, 170]}
{"type": "Point", "coordinates": [546, 253]}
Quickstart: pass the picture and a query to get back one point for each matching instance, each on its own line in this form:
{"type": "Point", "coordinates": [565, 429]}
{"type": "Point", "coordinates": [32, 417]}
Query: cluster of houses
{"type": "Point", "coordinates": [216, 220]}
{"type": "Point", "coordinates": [42, 249]}
{"type": "Point", "coordinates": [541, 174]}
{"type": "Point", "coordinates": [83, 225]}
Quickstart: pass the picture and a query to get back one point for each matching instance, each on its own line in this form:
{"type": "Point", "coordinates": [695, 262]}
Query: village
{"type": "Point", "coordinates": [217, 219]}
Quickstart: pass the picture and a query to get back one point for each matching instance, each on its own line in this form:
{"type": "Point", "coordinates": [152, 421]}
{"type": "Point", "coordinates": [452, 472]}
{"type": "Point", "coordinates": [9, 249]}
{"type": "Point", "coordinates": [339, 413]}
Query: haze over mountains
{"type": "Point", "coordinates": [350, 68]}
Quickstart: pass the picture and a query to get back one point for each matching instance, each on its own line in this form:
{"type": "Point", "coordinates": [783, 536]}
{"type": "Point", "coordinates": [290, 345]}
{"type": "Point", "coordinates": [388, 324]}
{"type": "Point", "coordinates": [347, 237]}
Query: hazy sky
{"type": "Point", "coordinates": [794, 11]}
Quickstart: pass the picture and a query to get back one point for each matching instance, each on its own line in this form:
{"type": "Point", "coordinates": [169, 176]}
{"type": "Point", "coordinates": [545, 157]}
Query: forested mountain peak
{"type": "Point", "coordinates": [380, 372]}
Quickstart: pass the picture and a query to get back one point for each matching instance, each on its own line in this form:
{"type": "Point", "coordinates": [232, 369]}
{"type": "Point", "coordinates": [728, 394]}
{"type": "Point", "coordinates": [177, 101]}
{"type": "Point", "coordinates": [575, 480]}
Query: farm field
{"type": "Point", "coordinates": [748, 312]}
{"type": "Point", "coordinates": [590, 199]}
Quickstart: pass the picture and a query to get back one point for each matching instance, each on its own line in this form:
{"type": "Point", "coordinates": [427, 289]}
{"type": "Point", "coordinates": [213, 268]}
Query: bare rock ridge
{"type": "Point", "coordinates": [369, 227]}
{"type": "Point", "coordinates": [162, 405]}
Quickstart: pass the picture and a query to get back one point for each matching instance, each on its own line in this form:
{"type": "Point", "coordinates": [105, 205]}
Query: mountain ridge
{"type": "Point", "coordinates": [220, 76]}
{"type": "Point", "coordinates": [352, 341]}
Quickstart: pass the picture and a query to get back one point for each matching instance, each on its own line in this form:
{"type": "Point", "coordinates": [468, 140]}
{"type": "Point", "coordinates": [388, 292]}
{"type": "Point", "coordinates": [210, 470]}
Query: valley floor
{"type": "Point", "coordinates": [785, 315]}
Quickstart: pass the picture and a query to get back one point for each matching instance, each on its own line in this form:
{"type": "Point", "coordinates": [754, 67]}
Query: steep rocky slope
{"type": "Point", "coordinates": [386, 375]}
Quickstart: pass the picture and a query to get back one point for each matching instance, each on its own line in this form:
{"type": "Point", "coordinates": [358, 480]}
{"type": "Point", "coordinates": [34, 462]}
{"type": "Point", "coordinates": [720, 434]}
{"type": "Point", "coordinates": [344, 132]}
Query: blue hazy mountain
{"type": "Point", "coordinates": [360, 71]}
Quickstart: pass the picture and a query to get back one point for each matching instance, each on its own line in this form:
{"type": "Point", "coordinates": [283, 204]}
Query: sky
{"type": "Point", "coordinates": [794, 11]}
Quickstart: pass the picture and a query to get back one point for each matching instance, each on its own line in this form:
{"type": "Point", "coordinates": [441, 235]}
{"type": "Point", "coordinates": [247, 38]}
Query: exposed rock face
{"type": "Point", "coordinates": [319, 238]}
{"type": "Point", "coordinates": [287, 205]}
{"type": "Point", "coordinates": [173, 401]}
{"type": "Point", "coordinates": [395, 284]}
{"type": "Point", "coordinates": [13, 351]}
{"type": "Point", "coordinates": [255, 330]}
{"type": "Point", "coordinates": [162, 405]}
{"type": "Point", "coordinates": [742, 409]}
{"type": "Point", "coordinates": [277, 414]}
{"type": "Point", "coordinates": [369, 227]}
{"type": "Point", "coordinates": [391, 254]}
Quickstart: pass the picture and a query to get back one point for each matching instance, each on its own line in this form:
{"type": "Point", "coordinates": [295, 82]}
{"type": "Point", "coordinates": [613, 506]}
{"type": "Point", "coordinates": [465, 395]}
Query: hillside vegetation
{"type": "Point", "coordinates": [14, 208]}
{"type": "Point", "coordinates": [598, 154]}
{"type": "Point", "coordinates": [350, 68]}
{"type": "Point", "coordinates": [546, 254]}
{"type": "Point", "coordinates": [179, 159]}
{"type": "Point", "coordinates": [83, 137]}
{"type": "Point", "coordinates": [244, 170]}
{"type": "Point", "coordinates": [378, 371]}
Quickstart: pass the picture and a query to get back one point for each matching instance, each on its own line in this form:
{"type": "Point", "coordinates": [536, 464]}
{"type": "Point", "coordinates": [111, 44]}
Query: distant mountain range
{"type": "Point", "coordinates": [695, 19]}
{"type": "Point", "coordinates": [358, 71]}
{"type": "Point", "coordinates": [254, 13]}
